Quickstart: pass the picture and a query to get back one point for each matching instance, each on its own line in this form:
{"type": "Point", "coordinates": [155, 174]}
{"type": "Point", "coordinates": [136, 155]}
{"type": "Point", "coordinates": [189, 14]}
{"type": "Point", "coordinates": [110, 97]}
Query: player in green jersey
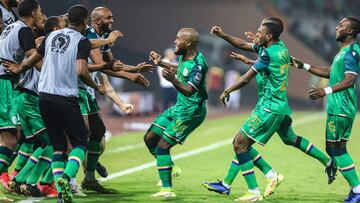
{"type": "Point", "coordinates": [269, 115]}
{"type": "Point", "coordinates": [175, 124]}
{"type": "Point", "coordinates": [286, 132]}
{"type": "Point", "coordinates": [342, 100]}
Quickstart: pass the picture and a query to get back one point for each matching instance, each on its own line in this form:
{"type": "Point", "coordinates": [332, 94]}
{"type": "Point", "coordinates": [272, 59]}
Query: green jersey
{"type": "Point", "coordinates": [273, 63]}
{"type": "Point", "coordinates": [193, 72]}
{"type": "Point", "coordinates": [344, 103]}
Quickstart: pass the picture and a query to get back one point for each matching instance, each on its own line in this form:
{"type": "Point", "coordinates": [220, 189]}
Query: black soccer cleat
{"type": "Point", "coordinates": [331, 172]}
{"type": "Point", "coordinates": [101, 170]}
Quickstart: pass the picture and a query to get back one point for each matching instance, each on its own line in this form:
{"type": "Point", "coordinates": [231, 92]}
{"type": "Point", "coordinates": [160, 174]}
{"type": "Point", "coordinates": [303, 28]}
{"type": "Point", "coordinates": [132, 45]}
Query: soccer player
{"type": "Point", "coordinates": [7, 14]}
{"type": "Point", "coordinates": [342, 100]}
{"type": "Point", "coordinates": [175, 124]}
{"type": "Point", "coordinates": [286, 133]}
{"type": "Point", "coordinates": [101, 24]}
{"type": "Point", "coordinates": [270, 115]}
{"type": "Point", "coordinates": [65, 54]}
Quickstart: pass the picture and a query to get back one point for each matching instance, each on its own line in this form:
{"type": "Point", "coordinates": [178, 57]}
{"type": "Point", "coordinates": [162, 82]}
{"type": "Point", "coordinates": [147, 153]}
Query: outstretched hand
{"type": "Point", "coordinates": [144, 67]}
{"type": "Point", "coordinates": [218, 31]}
{"type": "Point", "coordinates": [316, 93]}
{"type": "Point", "coordinates": [251, 36]}
{"type": "Point", "coordinates": [11, 67]}
{"type": "Point", "coordinates": [140, 79]}
{"type": "Point", "coordinates": [155, 57]}
{"type": "Point", "coordinates": [114, 36]}
{"type": "Point", "coordinates": [297, 63]}
{"type": "Point", "coordinates": [224, 98]}
{"type": "Point", "coordinates": [240, 57]}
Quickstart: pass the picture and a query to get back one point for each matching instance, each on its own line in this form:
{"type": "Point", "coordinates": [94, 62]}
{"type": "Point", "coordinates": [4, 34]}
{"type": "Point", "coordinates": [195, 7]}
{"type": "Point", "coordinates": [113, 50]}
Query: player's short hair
{"type": "Point", "coordinates": [277, 21]}
{"type": "Point", "coordinates": [355, 25]}
{"type": "Point", "coordinates": [26, 7]}
{"type": "Point", "coordinates": [77, 14]}
{"type": "Point", "coordinates": [51, 23]}
{"type": "Point", "coordinates": [273, 28]}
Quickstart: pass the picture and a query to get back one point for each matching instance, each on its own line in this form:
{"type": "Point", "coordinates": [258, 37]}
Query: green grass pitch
{"type": "Point", "coordinates": [305, 179]}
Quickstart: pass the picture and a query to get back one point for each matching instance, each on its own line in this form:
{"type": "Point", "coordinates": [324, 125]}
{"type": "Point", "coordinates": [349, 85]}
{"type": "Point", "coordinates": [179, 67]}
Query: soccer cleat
{"type": "Point", "coordinates": [101, 170]}
{"type": "Point", "coordinates": [4, 199]}
{"type": "Point", "coordinates": [76, 191]}
{"type": "Point", "coordinates": [250, 197]}
{"type": "Point", "coordinates": [272, 185]}
{"type": "Point", "coordinates": [14, 186]}
{"type": "Point", "coordinates": [176, 172]}
{"type": "Point", "coordinates": [331, 172]}
{"type": "Point", "coordinates": [94, 185]}
{"type": "Point", "coordinates": [165, 193]}
{"type": "Point", "coordinates": [218, 187]}
{"type": "Point", "coordinates": [48, 190]}
{"type": "Point", "coordinates": [352, 197]}
{"type": "Point", "coordinates": [30, 190]}
{"type": "Point", "coordinates": [67, 195]}
{"type": "Point", "coordinates": [5, 179]}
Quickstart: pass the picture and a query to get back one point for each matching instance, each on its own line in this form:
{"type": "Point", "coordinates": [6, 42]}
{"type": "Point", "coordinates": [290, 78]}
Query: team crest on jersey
{"type": "Point", "coordinates": [60, 43]}
{"type": "Point", "coordinates": [185, 72]}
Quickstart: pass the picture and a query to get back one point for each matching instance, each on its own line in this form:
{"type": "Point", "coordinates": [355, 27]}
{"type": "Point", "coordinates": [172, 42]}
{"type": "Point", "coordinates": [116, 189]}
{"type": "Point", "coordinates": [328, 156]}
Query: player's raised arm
{"type": "Point", "coordinates": [242, 58]}
{"type": "Point", "coordinates": [114, 97]}
{"type": "Point", "coordinates": [110, 40]}
{"type": "Point", "coordinates": [134, 77]}
{"type": "Point", "coordinates": [157, 60]}
{"type": "Point", "coordinates": [235, 41]}
{"type": "Point", "coordinates": [241, 82]}
{"type": "Point", "coordinates": [351, 68]}
{"type": "Point", "coordinates": [323, 72]}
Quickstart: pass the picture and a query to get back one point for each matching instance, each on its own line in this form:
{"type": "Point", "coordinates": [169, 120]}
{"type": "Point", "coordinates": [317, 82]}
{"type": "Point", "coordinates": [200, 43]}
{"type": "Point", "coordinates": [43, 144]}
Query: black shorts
{"type": "Point", "coordinates": [62, 114]}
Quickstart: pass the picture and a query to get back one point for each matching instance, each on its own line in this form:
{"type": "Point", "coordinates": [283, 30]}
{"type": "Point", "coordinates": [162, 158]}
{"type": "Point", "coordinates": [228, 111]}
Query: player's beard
{"type": "Point", "coordinates": [180, 51]}
{"type": "Point", "coordinates": [105, 28]}
{"type": "Point", "coordinates": [341, 38]}
{"type": "Point", "coordinates": [13, 3]}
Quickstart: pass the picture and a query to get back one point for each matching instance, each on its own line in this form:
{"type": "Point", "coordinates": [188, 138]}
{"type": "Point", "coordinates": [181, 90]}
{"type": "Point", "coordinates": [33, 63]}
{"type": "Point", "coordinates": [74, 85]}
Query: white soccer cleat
{"type": "Point", "coordinates": [273, 184]}
{"type": "Point", "coordinates": [250, 197]}
{"type": "Point", "coordinates": [165, 193]}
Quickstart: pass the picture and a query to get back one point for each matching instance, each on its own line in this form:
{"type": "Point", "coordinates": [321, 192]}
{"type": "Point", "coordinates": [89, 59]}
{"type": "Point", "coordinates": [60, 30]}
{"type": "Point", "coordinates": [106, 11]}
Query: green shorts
{"type": "Point", "coordinates": [8, 116]}
{"type": "Point", "coordinates": [338, 128]}
{"type": "Point", "coordinates": [174, 124]}
{"type": "Point", "coordinates": [261, 125]}
{"type": "Point", "coordinates": [29, 113]}
{"type": "Point", "coordinates": [88, 104]}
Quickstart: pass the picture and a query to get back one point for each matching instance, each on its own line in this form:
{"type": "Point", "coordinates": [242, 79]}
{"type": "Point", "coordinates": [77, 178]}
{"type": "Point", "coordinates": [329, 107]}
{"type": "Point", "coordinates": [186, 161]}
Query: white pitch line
{"type": "Point", "coordinates": [124, 148]}
{"type": "Point", "coordinates": [300, 121]}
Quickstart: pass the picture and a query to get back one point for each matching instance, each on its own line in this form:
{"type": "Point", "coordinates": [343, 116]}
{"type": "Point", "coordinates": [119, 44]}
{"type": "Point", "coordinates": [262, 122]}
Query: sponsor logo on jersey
{"type": "Point", "coordinates": [60, 43]}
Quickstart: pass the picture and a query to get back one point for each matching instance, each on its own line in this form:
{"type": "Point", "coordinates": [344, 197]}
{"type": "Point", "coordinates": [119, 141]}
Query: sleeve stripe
{"type": "Point", "coordinates": [351, 72]}
{"type": "Point", "coordinates": [254, 69]}
{"type": "Point", "coordinates": [190, 83]}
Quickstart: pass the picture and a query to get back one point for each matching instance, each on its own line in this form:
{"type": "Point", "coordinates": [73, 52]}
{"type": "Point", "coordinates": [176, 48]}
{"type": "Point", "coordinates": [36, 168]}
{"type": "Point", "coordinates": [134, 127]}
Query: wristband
{"type": "Point", "coordinates": [328, 90]}
{"type": "Point", "coordinates": [306, 66]}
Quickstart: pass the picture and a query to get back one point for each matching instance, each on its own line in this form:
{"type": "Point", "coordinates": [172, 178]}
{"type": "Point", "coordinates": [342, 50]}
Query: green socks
{"type": "Point", "coordinates": [42, 165]}
{"type": "Point", "coordinates": [47, 177]}
{"type": "Point", "coordinates": [310, 149]}
{"type": "Point", "coordinates": [58, 165]}
{"type": "Point", "coordinates": [26, 170]}
{"type": "Point", "coordinates": [258, 161]}
{"type": "Point", "coordinates": [347, 168]}
{"type": "Point", "coordinates": [76, 157]}
{"type": "Point", "coordinates": [247, 168]}
{"type": "Point", "coordinates": [164, 164]}
{"type": "Point", "coordinates": [24, 154]}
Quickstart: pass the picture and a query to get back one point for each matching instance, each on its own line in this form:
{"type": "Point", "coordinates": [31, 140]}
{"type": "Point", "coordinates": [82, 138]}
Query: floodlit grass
{"type": "Point", "coordinates": [305, 179]}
